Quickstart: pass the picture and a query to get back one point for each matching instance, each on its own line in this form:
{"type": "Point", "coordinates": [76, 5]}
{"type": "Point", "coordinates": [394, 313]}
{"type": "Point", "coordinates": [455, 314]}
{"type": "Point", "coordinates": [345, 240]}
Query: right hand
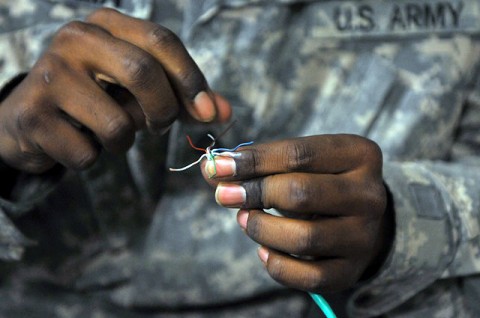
{"type": "Point", "coordinates": [61, 112]}
{"type": "Point", "coordinates": [338, 227]}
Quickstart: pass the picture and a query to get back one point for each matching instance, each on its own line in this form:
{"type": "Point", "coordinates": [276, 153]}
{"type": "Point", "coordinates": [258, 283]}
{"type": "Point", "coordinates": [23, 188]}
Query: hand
{"type": "Point", "coordinates": [61, 112]}
{"type": "Point", "coordinates": [331, 189]}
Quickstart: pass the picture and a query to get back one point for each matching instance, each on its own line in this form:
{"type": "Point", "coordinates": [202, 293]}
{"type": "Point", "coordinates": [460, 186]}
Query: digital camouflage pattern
{"type": "Point", "coordinates": [128, 239]}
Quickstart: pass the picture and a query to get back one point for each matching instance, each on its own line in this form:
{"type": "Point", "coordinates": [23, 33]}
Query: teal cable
{"type": "Point", "coordinates": [323, 305]}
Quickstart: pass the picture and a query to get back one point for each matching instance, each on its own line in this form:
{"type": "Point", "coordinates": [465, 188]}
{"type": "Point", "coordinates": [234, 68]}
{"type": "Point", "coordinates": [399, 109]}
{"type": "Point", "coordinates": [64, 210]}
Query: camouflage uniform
{"type": "Point", "coordinates": [128, 239]}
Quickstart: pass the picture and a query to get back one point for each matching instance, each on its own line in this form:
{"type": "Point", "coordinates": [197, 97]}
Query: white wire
{"type": "Point", "coordinates": [190, 165]}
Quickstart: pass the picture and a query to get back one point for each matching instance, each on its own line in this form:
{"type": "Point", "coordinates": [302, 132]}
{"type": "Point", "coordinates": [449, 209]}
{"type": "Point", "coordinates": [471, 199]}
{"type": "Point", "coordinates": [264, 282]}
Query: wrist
{"type": "Point", "coordinates": [385, 239]}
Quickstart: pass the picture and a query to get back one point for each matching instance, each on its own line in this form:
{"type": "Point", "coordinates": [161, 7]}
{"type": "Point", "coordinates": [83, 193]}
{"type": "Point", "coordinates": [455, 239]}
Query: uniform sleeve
{"type": "Point", "coordinates": [437, 213]}
{"type": "Point", "coordinates": [25, 30]}
{"type": "Point", "coordinates": [12, 242]}
{"type": "Point", "coordinates": [19, 192]}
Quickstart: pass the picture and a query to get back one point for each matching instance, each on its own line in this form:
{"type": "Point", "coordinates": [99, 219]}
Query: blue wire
{"type": "Point", "coordinates": [323, 305]}
{"type": "Point", "coordinates": [232, 149]}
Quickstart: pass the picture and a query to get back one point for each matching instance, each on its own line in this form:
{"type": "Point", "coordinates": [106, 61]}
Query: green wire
{"type": "Point", "coordinates": [323, 305]}
{"type": "Point", "coordinates": [212, 158]}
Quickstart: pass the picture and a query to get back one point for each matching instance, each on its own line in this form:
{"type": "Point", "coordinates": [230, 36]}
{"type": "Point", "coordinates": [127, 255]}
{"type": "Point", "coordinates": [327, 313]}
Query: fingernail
{"type": "Point", "coordinates": [263, 254]}
{"type": "Point", "coordinates": [221, 167]}
{"type": "Point", "coordinates": [242, 219]}
{"type": "Point", "coordinates": [204, 107]}
{"type": "Point", "coordinates": [230, 195]}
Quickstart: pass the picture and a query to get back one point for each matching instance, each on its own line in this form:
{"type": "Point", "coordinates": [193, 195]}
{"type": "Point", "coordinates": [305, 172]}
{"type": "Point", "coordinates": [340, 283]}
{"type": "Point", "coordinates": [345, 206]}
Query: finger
{"type": "Point", "coordinates": [298, 192]}
{"type": "Point", "coordinates": [220, 166]}
{"type": "Point", "coordinates": [167, 48]}
{"type": "Point", "coordinates": [326, 237]}
{"type": "Point", "coordinates": [326, 154]}
{"type": "Point", "coordinates": [224, 110]}
{"type": "Point", "coordinates": [128, 102]}
{"type": "Point", "coordinates": [329, 275]}
{"type": "Point", "coordinates": [28, 160]}
{"type": "Point", "coordinates": [129, 66]}
{"type": "Point", "coordinates": [65, 143]}
{"type": "Point", "coordinates": [86, 103]}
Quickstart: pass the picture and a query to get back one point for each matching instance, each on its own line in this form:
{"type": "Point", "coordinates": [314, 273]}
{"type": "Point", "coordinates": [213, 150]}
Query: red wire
{"type": "Point", "coordinates": [193, 146]}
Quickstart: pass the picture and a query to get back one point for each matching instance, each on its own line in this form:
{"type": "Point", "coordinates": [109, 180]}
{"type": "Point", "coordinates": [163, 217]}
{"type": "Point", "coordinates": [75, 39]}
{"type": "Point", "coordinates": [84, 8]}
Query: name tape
{"type": "Point", "coordinates": [384, 18]}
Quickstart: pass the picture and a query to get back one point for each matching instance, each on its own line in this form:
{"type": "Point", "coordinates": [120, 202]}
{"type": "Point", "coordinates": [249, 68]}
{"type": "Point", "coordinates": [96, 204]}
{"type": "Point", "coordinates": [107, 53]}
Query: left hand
{"type": "Point", "coordinates": [330, 187]}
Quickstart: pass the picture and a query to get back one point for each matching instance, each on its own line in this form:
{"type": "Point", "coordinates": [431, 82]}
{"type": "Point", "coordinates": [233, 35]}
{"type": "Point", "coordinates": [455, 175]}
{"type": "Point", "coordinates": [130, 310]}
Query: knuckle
{"type": "Point", "coordinates": [276, 269]}
{"type": "Point", "coordinates": [28, 118]}
{"type": "Point", "coordinates": [305, 241]}
{"type": "Point", "coordinates": [298, 194]}
{"type": "Point", "coordinates": [254, 227]}
{"type": "Point", "coordinates": [72, 31]}
{"type": "Point", "coordinates": [100, 14]}
{"type": "Point", "coordinates": [378, 198]}
{"type": "Point", "coordinates": [118, 127]}
{"type": "Point", "coordinates": [257, 197]}
{"type": "Point", "coordinates": [30, 158]}
{"type": "Point", "coordinates": [48, 69]}
{"type": "Point", "coordinates": [38, 164]}
{"type": "Point", "coordinates": [372, 152]}
{"type": "Point", "coordinates": [84, 159]}
{"type": "Point", "coordinates": [299, 156]}
{"type": "Point", "coordinates": [255, 160]}
{"type": "Point", "coordinates": [138, 69]}
{"type": "Point", "coordinates": [48, 62]}
{"type": "Point", "coordinates": [160, 37]}
{"type": "Point", "coordinates": [165, 121]}
{"type": "Point", "coordinates": [193, 82]}
{"type": "Point", "coordinates": [27, 151]}
{"type": "Point", "coordinates": [344, 186]}
{"type": "Point", "coordinates": [374, 198]}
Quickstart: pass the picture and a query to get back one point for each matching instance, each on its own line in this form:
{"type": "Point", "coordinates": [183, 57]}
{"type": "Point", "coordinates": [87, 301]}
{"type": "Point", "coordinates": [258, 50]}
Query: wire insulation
{"type": "Point", "coordinates": [323, 305]}
{"type": "Point", "coordinates": [210, 154]}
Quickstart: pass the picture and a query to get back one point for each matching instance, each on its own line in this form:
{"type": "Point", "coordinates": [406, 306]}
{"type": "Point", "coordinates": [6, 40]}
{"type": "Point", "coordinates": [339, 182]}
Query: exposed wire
{"type": "Point", "coordinates": [210, 153]}
{"type": "Point", "coordinates": [193, 146]}
{"type": "Point", "coordinates": [217, 150]}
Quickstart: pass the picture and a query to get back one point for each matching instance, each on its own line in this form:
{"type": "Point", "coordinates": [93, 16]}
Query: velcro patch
{"type": "Point", "coordinates": [428, 201]}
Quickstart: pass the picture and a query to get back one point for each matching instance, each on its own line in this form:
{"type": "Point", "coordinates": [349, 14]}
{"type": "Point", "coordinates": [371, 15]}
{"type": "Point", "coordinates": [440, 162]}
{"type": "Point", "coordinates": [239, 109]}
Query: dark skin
{"type": "Point", "coordinates": [95, 86]}
{"type": "Point", "coordinates": [337, 228]}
